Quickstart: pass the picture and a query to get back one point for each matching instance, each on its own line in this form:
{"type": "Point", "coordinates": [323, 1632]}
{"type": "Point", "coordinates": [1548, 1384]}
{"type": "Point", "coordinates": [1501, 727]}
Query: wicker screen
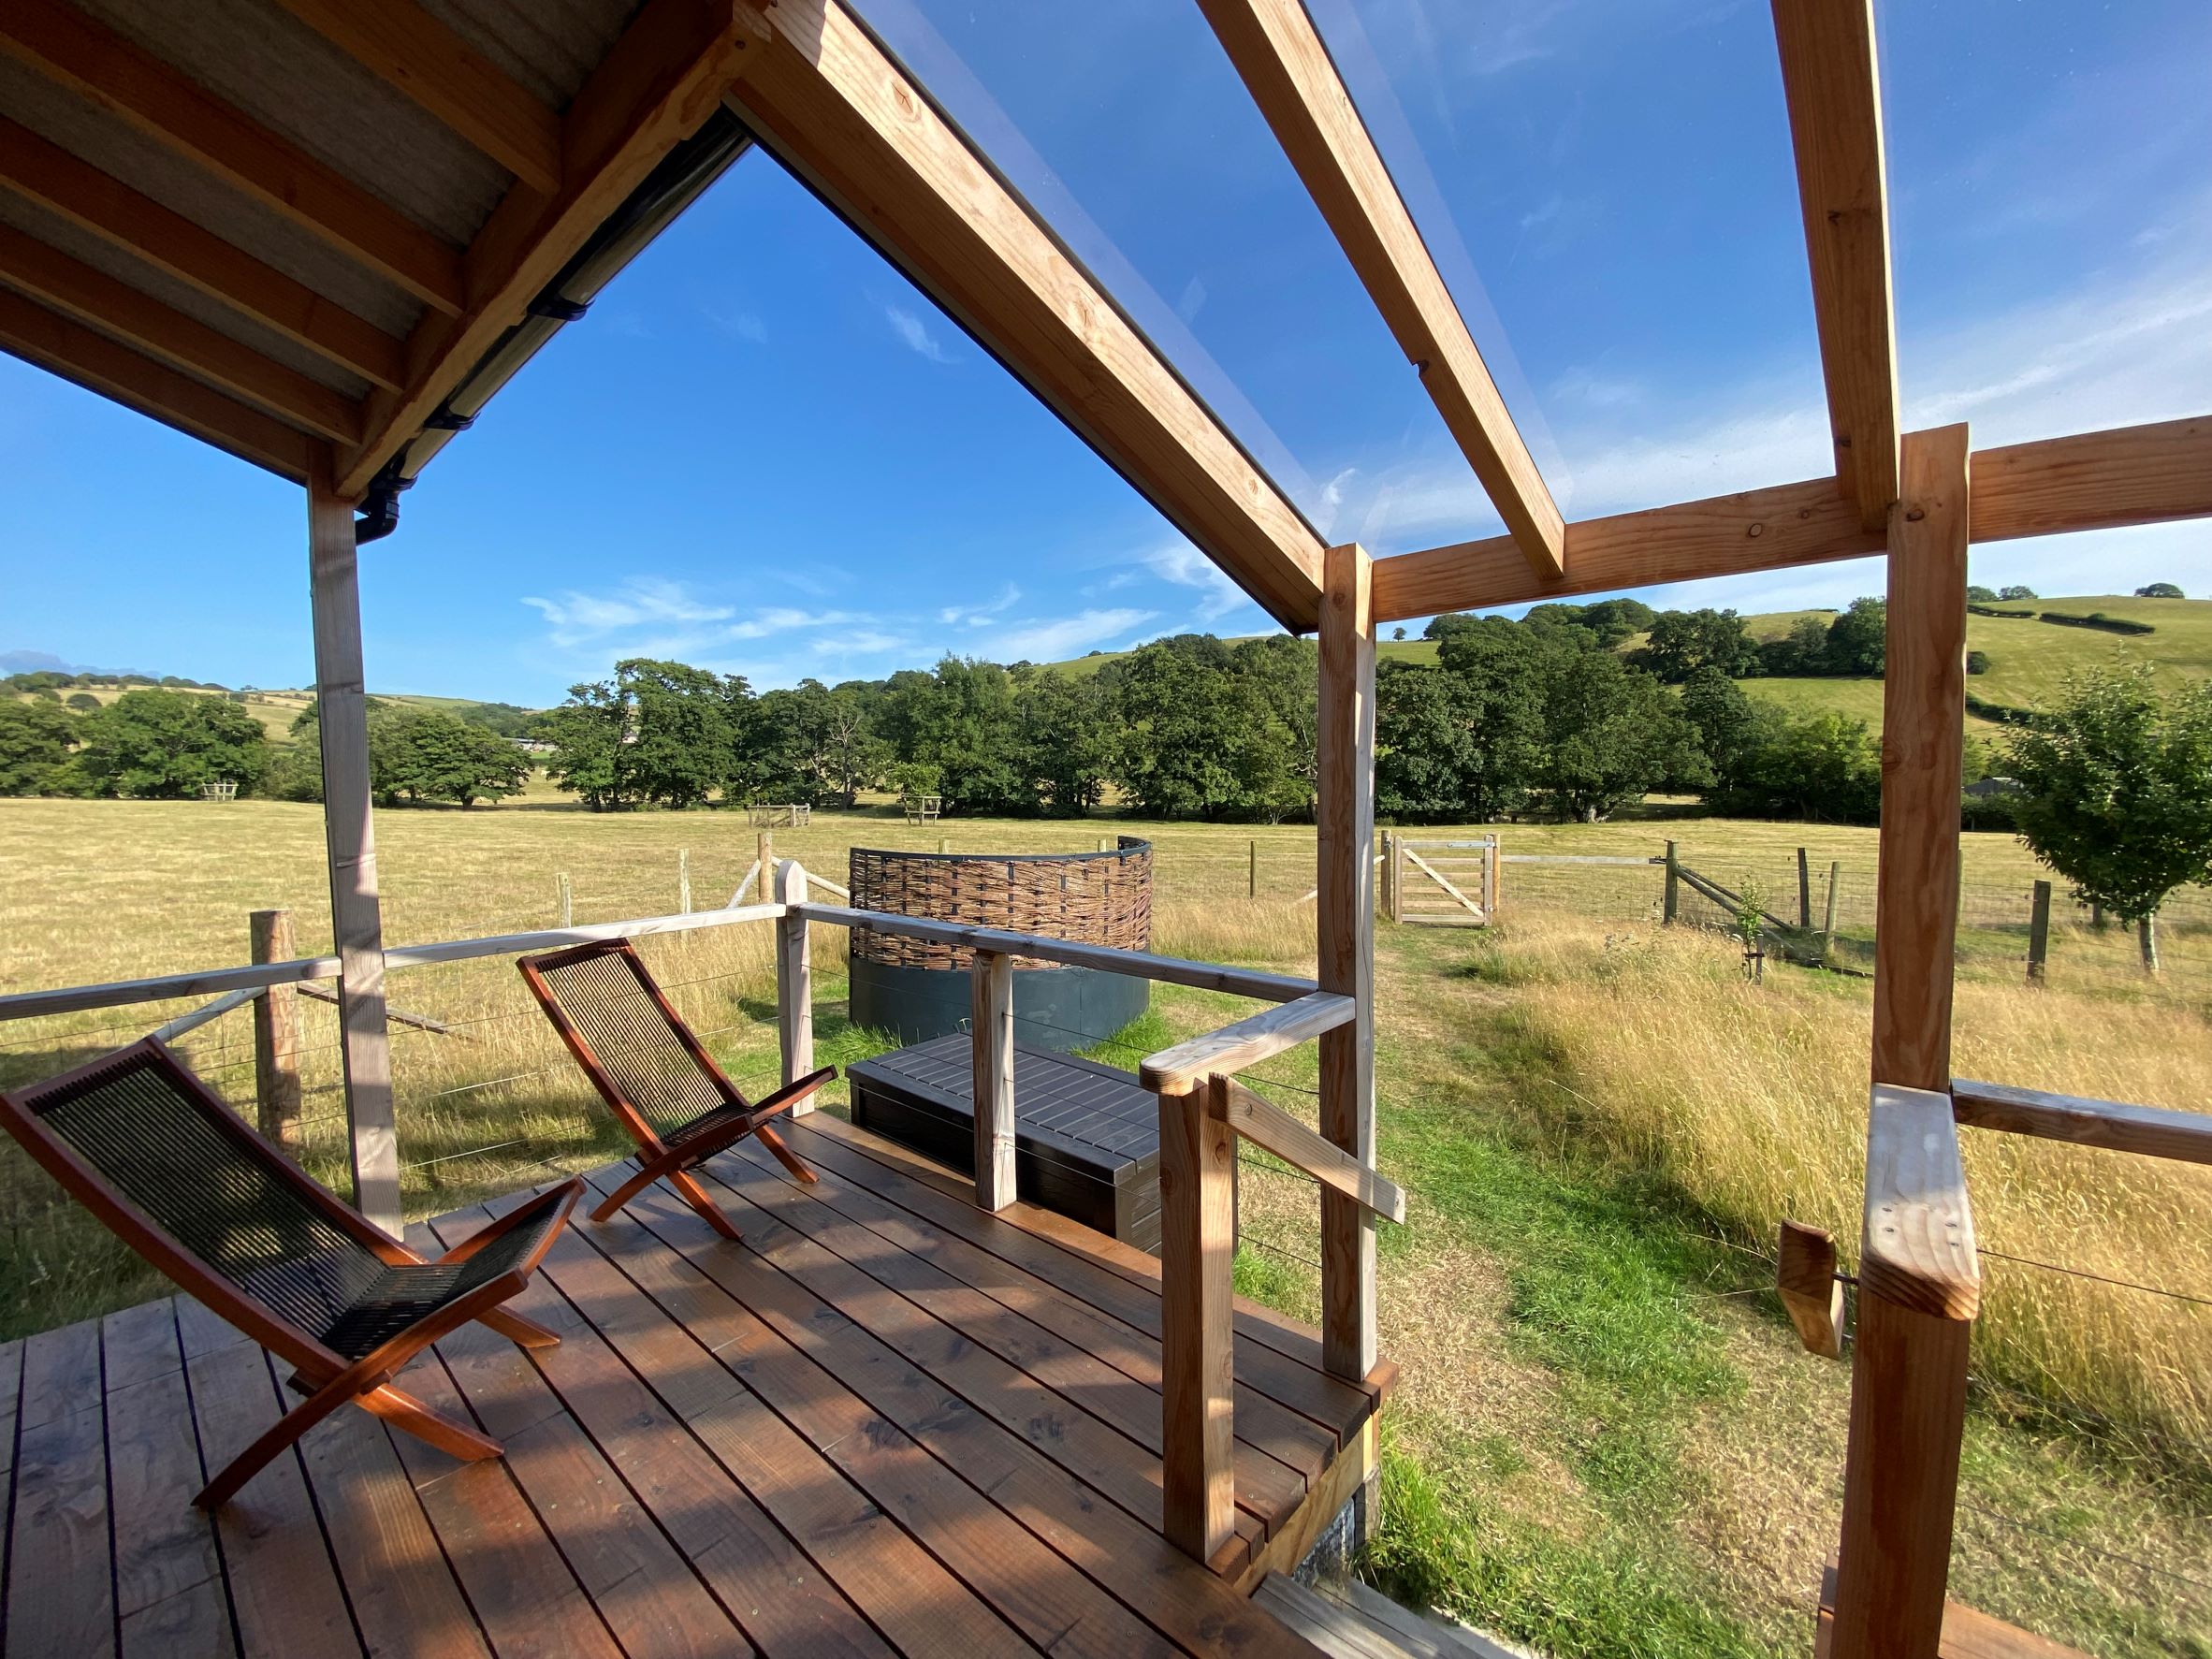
{"type": "Point", "coordinates": [1098, 899]}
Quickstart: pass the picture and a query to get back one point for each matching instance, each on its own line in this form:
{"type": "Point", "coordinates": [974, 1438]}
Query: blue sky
{"type": "Point", "coordinates": [763, 452]}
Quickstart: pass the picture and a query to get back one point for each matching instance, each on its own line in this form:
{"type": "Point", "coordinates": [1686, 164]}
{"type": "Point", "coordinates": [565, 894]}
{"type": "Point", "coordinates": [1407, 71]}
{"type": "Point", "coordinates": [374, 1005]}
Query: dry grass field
{"type": "Point", "coordinates": [1606, 1442]}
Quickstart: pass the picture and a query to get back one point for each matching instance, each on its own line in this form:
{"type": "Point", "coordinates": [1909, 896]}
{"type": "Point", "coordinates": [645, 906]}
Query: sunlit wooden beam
{"type": "Point", "coordinates": [1835, 103]}
{"type": "Point", "coordinates": [2147, 475]}
{"type": "Point", "coordinates": [657, 86]}
{"type": "Point", "coordinates": [1288, 70]}
{"type": "Point", "coordinates": [102, 67]}
{"type": "Point", "coordinates": [69, 349]}
{"type": "Point", "coordinates": [426, 62]}
{"type": "Point", "coordinates": [92, 296]}
{"type": "Point", "coordinates": [829, 103]}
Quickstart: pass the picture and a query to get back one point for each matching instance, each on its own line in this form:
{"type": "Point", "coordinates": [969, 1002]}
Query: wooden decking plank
{"type": "Point", "coordinates": [992, 1564]}
{"type": "Point", "coordinates": [521, 1586]}
{"type": "Point", "coordinates": [403, 1593]}
{"type": "Point", "coordinates": [785, 1602]}
{"type": "Point", "coordinates": [1296, 1442]}
{"type": "Point", "coordinates": [1180, 1597]}
{"type": "Point", "coordinates": [59, 1595]}
{"type": "Point", "coordinates": [11, 1393]}
{"type": "Point", "coordinates": [917, 1604]}
{"type": "Point", "coordinates": [201, 1332]}
{"type": "Point", "coordinates": [61, 1373]}
{"type": "Point", "coordinates": [191, 1624]}
{"type": "Point", "coordinates": [284, 1584]}
{"type": "Point", "coordinates": [640, 1583]}
{"type": "Point", "coordinates": [1266, 1490]}
{"type": "Point", "coordinates": [1061, 1252]}
{"type": "Point", "coordinates": [167, 1565]}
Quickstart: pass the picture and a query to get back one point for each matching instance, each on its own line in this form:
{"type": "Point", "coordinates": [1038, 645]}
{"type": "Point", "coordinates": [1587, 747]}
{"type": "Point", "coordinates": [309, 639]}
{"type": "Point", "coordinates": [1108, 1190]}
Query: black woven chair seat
{"type": "Point", "coordinates": [403, 1296]}
{"type": "Point", "coordinates": [702, 1127]}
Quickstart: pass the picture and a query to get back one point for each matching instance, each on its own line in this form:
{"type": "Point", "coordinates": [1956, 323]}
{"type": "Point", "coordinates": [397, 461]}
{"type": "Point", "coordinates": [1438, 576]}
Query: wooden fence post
{"type": "Point", "coordinates": [1908, 1388]}
{"type": "Point", "coordinates": [276, 1035]}
{"type": "Point", "coordinates": [991, 1037]}
{"type": "Point", "coordinates": [1671, 904]}
{"type": "Point", "coordinates": [1493, 879]}
{"type": "Point", "coordinates": [2039, 932]}
{"type": "Point", "coordinates": [795, 981]}
{"type": "Point", "coordinates": [1198, 1160]}
{"type": "Point", "coordinates": [1827, 930]}
{"type": "Point", "coordinates": [1252, 875]}
{"type": "Point", "coordinates": [349, 836]}
{"type": "Point", "coordinates": [767, 887]}
{"type": "Point", "coordinates": [1344, 922]}
{"type": "Point", "coordinates": [563, 900]}
{"type": "Point", "coordinates": [683, 881]}
{"type": "Point", "coordinates": [1804, 891]}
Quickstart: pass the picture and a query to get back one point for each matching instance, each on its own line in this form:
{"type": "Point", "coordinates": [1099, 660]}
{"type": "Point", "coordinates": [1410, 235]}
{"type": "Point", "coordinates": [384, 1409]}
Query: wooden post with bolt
{"type": "Point", "coordinates": [1670, 904]}
{"type": "Point", "coordinates": [276, 1035]}
{"type": "Point", "coordinates": [2039, 932]}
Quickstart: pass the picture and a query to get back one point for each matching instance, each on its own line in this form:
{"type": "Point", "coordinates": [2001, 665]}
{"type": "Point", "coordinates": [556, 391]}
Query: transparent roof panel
{"type": "Point", "coordinates": [1608, 189]}
{"type": "Point", "coordinates": [2051, 204]}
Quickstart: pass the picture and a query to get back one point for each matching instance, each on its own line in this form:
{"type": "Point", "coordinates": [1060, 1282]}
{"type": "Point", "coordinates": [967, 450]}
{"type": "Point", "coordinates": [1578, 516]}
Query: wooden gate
{"type": "Point", "coordinates": [1441, 884]}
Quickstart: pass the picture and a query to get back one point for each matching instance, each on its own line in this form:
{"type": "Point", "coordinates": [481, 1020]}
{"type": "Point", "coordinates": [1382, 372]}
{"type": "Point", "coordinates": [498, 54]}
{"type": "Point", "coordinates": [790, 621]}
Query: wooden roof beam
{"type": "Point", "coordinates": [1288, 70]}
{"type": "Point", "coordinates": [826, 99]}
{"type": "Point", "coordinates": [1835, 101]}
{"type": "Point", "coordinates": [111, 210]}
{"type": "Point", "coordinates": [426, 62]}
{"type": "Point", "coordinates": [2145, 474]}
{"type": "Point", "coordinates": [656, 85]}
{"type": "Point", "coordinates": [105, 69]}
{"type": "Point", "coordinates": [99, 364]}
{"type": "Point", "coordinates": [93, 295]}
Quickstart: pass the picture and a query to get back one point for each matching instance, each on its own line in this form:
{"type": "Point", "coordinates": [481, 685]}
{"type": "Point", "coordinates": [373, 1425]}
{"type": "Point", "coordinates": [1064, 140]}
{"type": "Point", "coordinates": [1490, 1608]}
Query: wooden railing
{"type": "Point", "coordinates": [1919, 1291]}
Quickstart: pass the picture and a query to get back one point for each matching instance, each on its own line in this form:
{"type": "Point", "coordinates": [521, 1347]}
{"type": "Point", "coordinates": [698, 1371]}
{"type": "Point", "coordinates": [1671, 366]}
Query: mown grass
{"type": "Point", "coordinates": [1606, 1442]}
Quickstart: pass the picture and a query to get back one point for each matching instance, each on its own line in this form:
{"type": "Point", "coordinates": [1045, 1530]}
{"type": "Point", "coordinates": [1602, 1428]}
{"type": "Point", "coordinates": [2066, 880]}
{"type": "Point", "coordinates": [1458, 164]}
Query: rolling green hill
{"type": "Point", "coordinates": [2029, 660]}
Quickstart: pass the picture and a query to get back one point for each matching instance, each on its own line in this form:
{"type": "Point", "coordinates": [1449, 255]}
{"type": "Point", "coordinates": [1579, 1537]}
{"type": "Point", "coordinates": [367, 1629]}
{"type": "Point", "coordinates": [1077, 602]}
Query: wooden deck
{"type": "Point", "coordinates": [886, 1424]}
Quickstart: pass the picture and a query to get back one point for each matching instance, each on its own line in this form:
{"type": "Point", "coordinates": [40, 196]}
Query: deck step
{"type": "Point", "coordinates": [1355, 1622]}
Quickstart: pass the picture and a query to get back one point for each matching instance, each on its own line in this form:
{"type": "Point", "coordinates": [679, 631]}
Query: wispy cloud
{"type": "Point", "coordinates": [1183, 564]}
{"type": "Point", "coordinates": [643, 602]}
{"type": "Point", "coordinates": [780, 619]}
{"type": "Point", "coordinates": [911, 330]}
{"type": "Point", "coordinates": [981, 616]}
{"type": "Point", "coordinates": [738, 325]}
{"type": "Point", "coordinates": [863, 642]}
{"type": "Point", "coordinates": [1050, 641]}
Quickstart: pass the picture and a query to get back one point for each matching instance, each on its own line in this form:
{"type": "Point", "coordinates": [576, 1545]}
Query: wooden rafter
{"type": "Point", "coordinates": [103, 67]}
{"type": "Point", "coordinates": [2145, 474]}
{"type": "Point", "coordinates": [99, 364]}
{"type": "Point", "coordinates": [828, 102]}
{"type": "Point", "coordinates": [1288, 70]}
{"type": "Point", "coordinates": [46, 174]}
{"type": "Point", "coordinates": [71, 285]}
{"type": "Point", "coordinates": [418, 56]}
{"type": "Point", "coordinates": [656, 86]}
{"type": "Point", "coordinates": [1835, 103]}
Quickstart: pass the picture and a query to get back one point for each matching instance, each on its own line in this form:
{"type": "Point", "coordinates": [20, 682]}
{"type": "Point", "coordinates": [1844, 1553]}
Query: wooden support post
{"type": "Point", "coordinates": [1909, 1360]}
{"type": "Point", "coordinates": [1345, 927]}
{"type": "Point", "coordinates": [349, 834]}
{"type": "Point", "coordinates": [1198, 1158]}
{"type": "Point", "coordinates": [1671, 905]}
{"type": "Point", "coordinates": [683, 881]}
{"type": "Point", "coordinates": [2039, 932]}
{"type": "Point", "coordinates": [2097, 917]}
{"type": "Point", "coordinates": [1811, 1295]}
{"type": "Point", "coordinates": [1493, 879]}
{"type": "Point", "coordinates": [1389, 874]}
{"type": "Point", "coordinates": [767, 866]}
{"type": "Point", "coordinates": [276, 1035]}
{"type": "Point", "coordinates": [564, 899]}
{"type": "Point", "coordinates": [944, 843]}
{"type": "Point", "coordinates": [1804, 891]}
{"type": "Point", "coordinates": [1827, 926]}
{"type": "Point", "coordinates": [991, 1034]}
{"type": "Point", "coordinates": [795, 981]}
{"type": "Point", "coordinates": [1252, 875]}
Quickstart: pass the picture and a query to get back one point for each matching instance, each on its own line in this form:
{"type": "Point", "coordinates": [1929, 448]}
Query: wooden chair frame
{"type": "Point", "coordinates": [659, 1159]}
{"type": "Point", "coordinates": [328, 1378]}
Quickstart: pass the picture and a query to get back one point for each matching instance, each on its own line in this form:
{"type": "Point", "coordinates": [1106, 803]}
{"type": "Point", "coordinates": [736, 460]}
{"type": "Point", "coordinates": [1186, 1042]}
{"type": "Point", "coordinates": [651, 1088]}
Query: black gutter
{"type": "Point", "coordinates": [683, 174]}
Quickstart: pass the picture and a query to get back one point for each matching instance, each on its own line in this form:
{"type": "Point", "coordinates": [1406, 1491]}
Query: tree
{"type": "Point", "coordinates": [164, 745]}
{"type": "Point", "coordinates": [423, 754]}
{"type": "Point", "coordinates": [1977, 662]}
{"type": "Point", "coordinates": [1731, 728]}
{"type": "Point", "coordinates": [1399, 631]}
{"type": "Point", "coordinates": [83, 702]}
{"type": "Point", "coordinates": [1859, 639]}
{"type": "Point", "coordinates": [1977, 594]}
{"type": "Point", "coordinates": [587, 732]}
{"type": "Point", "coordinates": [1683, 642]}
{"type": "Point", "coordinates": [1447, 747]}
{"type": "Point", "coordinates": [1612, 734]}
{"type": "Point", "coordinates": [35, 743]}
{"type": "Point", "coordinates": [1062, 740]}
{"type": "Point", "coordinates": [1800, 652]}
{"type": "Point", "coordinates": [2017, 591]}
{"type": "Point", "coordinates": [2160, 590]}
{"type": "Point", "coordinates": [2117, 794]}
{"type": "Point", "coordinates": [680, 740]}
{"type": "Point", "coordinates": [1822, 766]}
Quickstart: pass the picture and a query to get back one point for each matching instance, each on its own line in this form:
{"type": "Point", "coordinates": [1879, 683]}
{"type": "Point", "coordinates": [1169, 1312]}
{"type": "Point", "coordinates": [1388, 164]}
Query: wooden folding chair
{"type": "Point", "coordinates": [654, 1073]}
{"type": "Point", "coordinates": [154, 1153]}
